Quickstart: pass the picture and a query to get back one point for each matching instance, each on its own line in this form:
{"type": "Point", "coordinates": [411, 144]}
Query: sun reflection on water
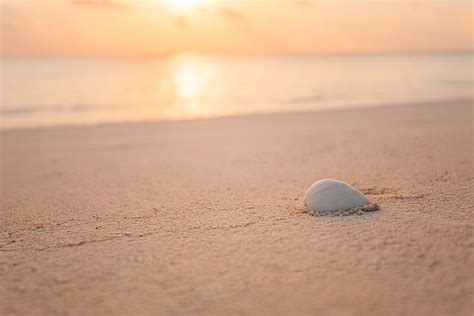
{"type": "Point", "coordinates": [190, 79]}
{"type": "Point", "coordinates": [188, 82]}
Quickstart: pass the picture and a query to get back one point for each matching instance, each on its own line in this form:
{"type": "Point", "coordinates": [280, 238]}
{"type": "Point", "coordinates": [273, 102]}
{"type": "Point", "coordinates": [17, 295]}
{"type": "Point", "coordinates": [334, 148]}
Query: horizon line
{"type": "Point", "coordinates": [243, 55]}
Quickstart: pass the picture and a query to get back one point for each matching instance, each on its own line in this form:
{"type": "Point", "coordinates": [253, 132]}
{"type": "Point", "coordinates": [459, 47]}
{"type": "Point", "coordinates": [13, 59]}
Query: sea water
{"type": "Point", "coordinates": [63, 91]}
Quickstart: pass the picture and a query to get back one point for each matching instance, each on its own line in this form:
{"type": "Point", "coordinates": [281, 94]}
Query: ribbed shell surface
{"type": "Point", "coordinates": [333, 195]}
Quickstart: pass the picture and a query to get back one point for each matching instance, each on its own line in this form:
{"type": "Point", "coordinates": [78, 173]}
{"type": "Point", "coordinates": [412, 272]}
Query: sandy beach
{"type": "Point", "coordinates": [202, 217]}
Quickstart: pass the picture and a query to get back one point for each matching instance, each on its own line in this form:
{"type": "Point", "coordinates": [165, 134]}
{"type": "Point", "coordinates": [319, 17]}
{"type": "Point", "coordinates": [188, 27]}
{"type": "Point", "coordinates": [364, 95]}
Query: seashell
{"type": "Point", "coordinates": [331, 195]}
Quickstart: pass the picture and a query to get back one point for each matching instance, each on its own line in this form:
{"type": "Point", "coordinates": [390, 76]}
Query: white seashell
{"type": "Point", "coordinates": [330, 195]}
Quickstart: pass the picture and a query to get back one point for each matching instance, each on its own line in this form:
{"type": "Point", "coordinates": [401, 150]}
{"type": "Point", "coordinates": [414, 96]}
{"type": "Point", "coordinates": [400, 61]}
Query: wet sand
{"type": "Point", "coordinates": [202, 217]}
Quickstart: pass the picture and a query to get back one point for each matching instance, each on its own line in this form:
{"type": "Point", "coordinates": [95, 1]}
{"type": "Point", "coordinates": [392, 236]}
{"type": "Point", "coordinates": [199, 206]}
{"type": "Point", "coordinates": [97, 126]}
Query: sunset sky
{"type": "Point", "coordinates": [142, 28]}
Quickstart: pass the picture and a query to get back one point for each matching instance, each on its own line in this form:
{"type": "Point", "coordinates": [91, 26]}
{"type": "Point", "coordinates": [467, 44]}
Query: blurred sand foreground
{"type": "Point", "coordinates": [200, 217]}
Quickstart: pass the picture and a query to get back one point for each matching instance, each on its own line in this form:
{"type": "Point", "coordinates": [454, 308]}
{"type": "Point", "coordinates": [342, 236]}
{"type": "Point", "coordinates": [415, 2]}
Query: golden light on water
{"type": "Point", "coordinates": [190, 78]}
{"type": "Point", "coordinates": [188, 83]}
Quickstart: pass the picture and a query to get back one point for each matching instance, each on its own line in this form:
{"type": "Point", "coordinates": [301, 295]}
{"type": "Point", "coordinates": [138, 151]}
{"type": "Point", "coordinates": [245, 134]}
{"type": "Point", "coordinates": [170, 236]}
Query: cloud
{"type": "Point", "coordinates": [182, 22]}
{"type": "Point", "coordinates": [232, 15]}
{"type": "Point", "coordinates": [304, 3]}
{"type": "Point", "coordinates": [102, 4]}
{"type": "Point", "coordinates": [10, 17]}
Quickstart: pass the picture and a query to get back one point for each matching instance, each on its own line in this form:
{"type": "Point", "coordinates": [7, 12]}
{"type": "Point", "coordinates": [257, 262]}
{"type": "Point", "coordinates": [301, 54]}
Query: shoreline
{"type": "Point", "coordinates": [238, 115]}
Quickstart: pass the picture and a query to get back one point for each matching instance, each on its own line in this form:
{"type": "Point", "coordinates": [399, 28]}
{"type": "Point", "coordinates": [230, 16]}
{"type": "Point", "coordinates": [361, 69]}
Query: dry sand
{"type": "Point", "coordinates": [200, 217]}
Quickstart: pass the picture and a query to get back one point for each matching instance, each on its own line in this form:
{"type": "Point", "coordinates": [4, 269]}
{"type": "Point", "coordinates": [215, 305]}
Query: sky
{"type": "Point", "coordinates": [144, 28]}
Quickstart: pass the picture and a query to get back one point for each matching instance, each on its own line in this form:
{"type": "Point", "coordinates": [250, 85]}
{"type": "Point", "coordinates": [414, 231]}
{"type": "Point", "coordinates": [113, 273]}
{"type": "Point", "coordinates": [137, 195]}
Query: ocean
{"type": "Point", "coordinates": [76, 91]}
